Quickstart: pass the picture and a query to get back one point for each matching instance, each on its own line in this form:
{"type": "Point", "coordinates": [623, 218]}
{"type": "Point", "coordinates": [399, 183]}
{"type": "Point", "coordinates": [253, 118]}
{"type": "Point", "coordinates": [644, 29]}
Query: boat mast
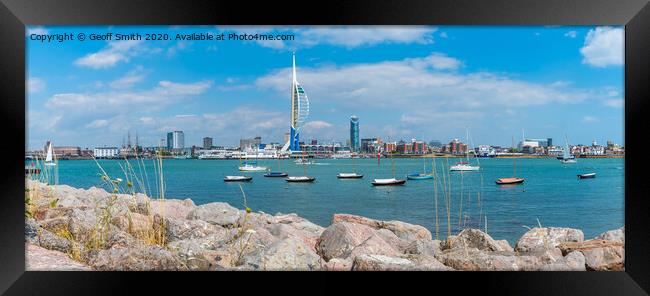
{"type": "Point", "coordinates": [514, 159]}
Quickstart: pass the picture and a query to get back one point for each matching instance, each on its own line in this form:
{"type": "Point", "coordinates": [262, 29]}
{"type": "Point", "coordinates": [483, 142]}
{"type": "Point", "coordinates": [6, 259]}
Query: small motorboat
{"type": "Point", "coordinates": [508, 181]}
{"type": "Point", "coordinates": [275, 174]}
{"type": "Point", "coordinates": [587, 176]}
{"type": "Point", "coordinates": [237, 178]}
{"type": "Point", "coordinates": [303, 161]}
{"type": "Point", "coordinates": [252, 167]}
{"type": "Point", "coordinates": [298, 179]}
{"type": "Point", "coordinates": [419, 176]}
{"type": "Point", "coordinates": [349, 176]}
{"type": "Point", "coordinates": [388, 182]}
{"type": "Point", "coordinates": [568, 160]}
{"type": "Point", "coordinates": [464, 166]}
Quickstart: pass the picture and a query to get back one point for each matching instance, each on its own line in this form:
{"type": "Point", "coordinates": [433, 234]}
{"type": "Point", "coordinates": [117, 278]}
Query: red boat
{"type": "Point", "coordinates": [506, 181]}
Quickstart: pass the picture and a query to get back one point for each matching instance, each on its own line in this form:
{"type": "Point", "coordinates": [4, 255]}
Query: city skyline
{"type": "Point", "coordinates": [403, 82]}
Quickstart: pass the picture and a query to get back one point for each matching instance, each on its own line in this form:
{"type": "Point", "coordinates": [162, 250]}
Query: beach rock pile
{"type": "Point", "coordinates": [91, 229]}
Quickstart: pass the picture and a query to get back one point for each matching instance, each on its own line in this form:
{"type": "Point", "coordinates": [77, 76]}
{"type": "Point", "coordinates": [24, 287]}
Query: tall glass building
{"type": "Point", "coordinates": [354, 133]}
{"type": "Point", "coordinates": [170, 140]}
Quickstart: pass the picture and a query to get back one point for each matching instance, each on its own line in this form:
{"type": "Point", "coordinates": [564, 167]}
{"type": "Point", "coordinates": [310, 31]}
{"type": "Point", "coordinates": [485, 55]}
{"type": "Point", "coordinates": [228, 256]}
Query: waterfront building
{"type": "Point", "coordinates": [170, 140]}
{"type": "Point", "coordinates": [207, 143]}
{"type": "Point", "coordinates": [66, 151]}
{"type": "Point", "coordinates": [178, 140]}
{"type": "Point", "coordinates": [390, 147]}
{"type": "Point", "coordinates": [370, 145]}
{"type": "Point", "coordinates": [435, 143]}
{"type": "Point", "coordinates": [455, 147]}
{"type": "Point", "coordinates": [354, 133]}
{"type": "Point", "coordinates": [485, 151]}
{"type": "Point", "coordinates": [250, 144]}
{"type": "Point", "coordinates": [419, 147]}
{"type": "Point", "coordinates": [299, 112]}
{"type": "Point", "coordinates": [106, 152]}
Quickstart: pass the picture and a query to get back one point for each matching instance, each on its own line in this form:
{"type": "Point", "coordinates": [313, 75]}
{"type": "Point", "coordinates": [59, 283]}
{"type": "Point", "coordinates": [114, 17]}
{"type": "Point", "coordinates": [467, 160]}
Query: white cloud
{"type": "Point", "coordinates": [115, 52]}
{"type": "Point", "coordinates": [604, 46]}
{"type": "Point", "coordinates": [35, 85]}
{"type": "Point", "coordinates": [97, 123]}
{"type": "Point", "coordinates": [615, 103]}
{"type": "Point", "coordinates": [419, 81]}
{"type": "Point", "coordinates": [114, 102]}
{"type": "Point", "coordinates": [571, 34]}
{"type": "Point", "coordinates": [590, 119]}
{"type": "Point", "coordinates": [130, 79]}
{"type": "Point", "coordinates": [316, 125]}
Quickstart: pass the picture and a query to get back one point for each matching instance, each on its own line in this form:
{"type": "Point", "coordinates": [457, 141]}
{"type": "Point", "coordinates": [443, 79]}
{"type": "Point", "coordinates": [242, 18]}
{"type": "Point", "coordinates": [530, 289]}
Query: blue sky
{"type": "Point", "coordinates": [402, 82]}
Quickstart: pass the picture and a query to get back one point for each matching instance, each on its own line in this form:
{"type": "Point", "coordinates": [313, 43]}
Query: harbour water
{"type": "Point", "coordinates": [552, 193]}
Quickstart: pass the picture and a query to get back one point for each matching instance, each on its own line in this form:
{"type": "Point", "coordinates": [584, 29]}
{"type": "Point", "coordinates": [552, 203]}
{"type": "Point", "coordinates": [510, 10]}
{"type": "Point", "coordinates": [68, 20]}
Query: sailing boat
{"type": "Point", "coordinates": [465, 165]}
{"type": "Point", "coordinates": [389, 182]}
{"type": "Point", "coordinates": [513, 179]}
{"type": "Point", "coordinates": [48, 158]}
{"type": "Point", "coordinates": [421, 176]}
{"type": "Point", "coordinates": [301, 179]}
{"type": "Point", "coordinates": [352, 175]}
{"type": "Point", "coordinates": [276, 174]}
{"type": "Point", "coordinates": [566, 155]}
{"type": "Point", "coordinates": [250, 166]}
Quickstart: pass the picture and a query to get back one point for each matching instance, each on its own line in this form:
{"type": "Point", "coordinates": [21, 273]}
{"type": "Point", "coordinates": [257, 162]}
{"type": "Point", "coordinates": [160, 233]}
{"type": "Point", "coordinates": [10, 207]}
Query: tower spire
{"type": "Point", "coordinates": [294, 66]}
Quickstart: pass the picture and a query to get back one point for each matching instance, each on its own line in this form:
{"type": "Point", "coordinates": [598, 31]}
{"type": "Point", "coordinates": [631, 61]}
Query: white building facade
{"type": "Point", "coordinates": [106, 152]}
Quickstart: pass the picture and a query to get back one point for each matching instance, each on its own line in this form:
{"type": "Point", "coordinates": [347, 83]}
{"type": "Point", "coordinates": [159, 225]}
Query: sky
{"type": "Point", "coordinates": [403, 82]}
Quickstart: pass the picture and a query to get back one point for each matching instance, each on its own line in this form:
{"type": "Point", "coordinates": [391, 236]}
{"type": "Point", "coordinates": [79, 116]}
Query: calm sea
{"type": "Point", "coordinates": [551, 193]}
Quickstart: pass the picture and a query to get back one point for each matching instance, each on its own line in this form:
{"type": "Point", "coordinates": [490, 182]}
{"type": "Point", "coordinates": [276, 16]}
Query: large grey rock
{"type": "Point", "coordinates": [40, 259]}
{"type": "Point", "coordinates": [429, 263]}
{"type": "Point", "coordinates": [31, 230]}
{"type": "Point", "coordinates": [474, 238]}
{"type": "Point", "coordinates": [134, 223]}
{"type": "Point", "coordinates": [423, 247]}
{"type": "Point", "coordinates": [219, 213]}
{"type": "Point", "coordinates": [617, 235]}
{"type": "Point", "coordinates": [171, 208]}
{"type": "Point", "coordinates": [82, 224]}
{"type": "Point", "coordinates": [546, 238]}
{"type": "Point", "coordinates": [381, 263]}
{"type": "Point", "coordinates": [574, 261]}
{"type": "Point", "coordinates": [193, 254]}
{"type": "Point", "coordinates": [403, 230]}
{"type": "Point", "coordinates": [338, 240]}
{"type": "Point", "coordinates": [374, 245]}
{"type": "Point", "coordinates": [290, 254]}
{"type": "Point", "coordinates": [141, 258]}
{"type": "Point", "coordinates": [182, 229]}
{"type": "Point", "coordinates": [407, 231]}
{"type": "Point", "coordinates": [51, 241]}
{"type": "Point", "coordinates": [599, 254]}
{"type": "Point", "coordinates": [338, 264]}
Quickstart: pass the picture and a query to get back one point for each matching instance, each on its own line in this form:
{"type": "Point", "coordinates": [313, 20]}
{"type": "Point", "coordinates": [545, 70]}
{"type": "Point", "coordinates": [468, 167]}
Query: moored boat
{"type": "Point", "coordinates": [419, 176]}
{"type": "Point", "coordinates": [587, 176]}
{"type": "Point", "coordinates": [463, 166]}
{"type": "Point", "coordinates": [275, 174]}
{"type": "Point", "coordinates": [237, 178]}
{"type": "Point", "coordinates": [388, 182]}
{"type": "Point", "coordinates": [349, 176]}
{"type": "Point", "coordinates": [298, 179]}
{"type": "Point", "coordinates": [507, 181]}
{"type": "Point", "coordinates": [252, 167]}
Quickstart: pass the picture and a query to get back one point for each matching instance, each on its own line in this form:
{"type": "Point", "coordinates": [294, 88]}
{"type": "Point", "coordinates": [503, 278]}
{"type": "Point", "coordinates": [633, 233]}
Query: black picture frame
{"type": "Point", "coordinates": [634, 14]}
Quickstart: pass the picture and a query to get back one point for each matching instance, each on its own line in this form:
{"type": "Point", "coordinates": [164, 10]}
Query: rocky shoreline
{"type": "Point", "coordinates": [77, 229]}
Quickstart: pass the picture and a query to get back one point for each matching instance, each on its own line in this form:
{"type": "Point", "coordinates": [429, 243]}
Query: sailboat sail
{"type": "Point", "coordinates": [48, 158]}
